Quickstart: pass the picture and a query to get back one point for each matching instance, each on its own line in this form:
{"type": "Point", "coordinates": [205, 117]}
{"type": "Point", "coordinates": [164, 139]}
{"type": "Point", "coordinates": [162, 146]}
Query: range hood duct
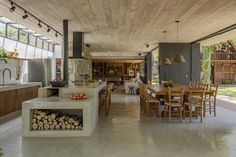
{"type": "Point", "coordinates": [78, 46]}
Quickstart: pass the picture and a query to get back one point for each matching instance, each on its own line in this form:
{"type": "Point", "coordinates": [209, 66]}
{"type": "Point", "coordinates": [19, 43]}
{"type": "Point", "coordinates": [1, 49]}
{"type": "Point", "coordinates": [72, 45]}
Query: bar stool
{"type": "Point", "coordinates": [105, 99]}
{"type": "Point", "coordinates": [131, 90]}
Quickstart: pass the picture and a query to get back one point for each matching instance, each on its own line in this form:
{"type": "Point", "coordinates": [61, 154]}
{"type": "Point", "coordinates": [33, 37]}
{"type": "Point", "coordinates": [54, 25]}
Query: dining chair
{"type": "Point", "coordinates": [175, 101]}
{"type": "Point", "coordinates": [194, 103]}
{"type": "Point", "coordinates": [194, 84]}
{"type": "Point", "coordinates": [209, 102]}
{"type": "Point", "coordinates": [141, 95]}
{"type": "Point", "coordinates": [204, 85]}
{"type": "Point", "coordinates": [150, 102]}
{"type": "Point", "coordinates": [105, 99]}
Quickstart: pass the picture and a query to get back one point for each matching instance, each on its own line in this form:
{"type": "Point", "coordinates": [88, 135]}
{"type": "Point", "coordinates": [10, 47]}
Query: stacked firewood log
{"type": "Point", "coordinates": [46, 120]}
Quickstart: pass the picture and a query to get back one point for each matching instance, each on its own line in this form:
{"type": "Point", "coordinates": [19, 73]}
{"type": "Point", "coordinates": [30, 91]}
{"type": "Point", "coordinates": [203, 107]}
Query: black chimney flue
{"type": "Point", "coordinates": [78, 46]}
{"type": "Point", "coordinates": [65, 44]}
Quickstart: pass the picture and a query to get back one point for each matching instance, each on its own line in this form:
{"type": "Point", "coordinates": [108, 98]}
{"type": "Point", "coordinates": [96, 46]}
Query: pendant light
{"type": "Point", "coordinates": [165, 61]}
{"type": "Point", "coordinates": [178, 58]}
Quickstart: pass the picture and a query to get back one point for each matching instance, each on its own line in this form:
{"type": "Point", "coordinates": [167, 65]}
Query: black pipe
{"type": "Point", "coordinates": [65, 43]}
{"type": "Point", "coordinates": [222, 31]}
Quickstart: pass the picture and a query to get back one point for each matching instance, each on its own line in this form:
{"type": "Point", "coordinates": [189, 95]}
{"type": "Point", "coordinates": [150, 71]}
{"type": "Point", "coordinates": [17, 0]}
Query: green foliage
{"type": "Point", "coordinates": [228, 91]}
{"type": "Point", "coordinates": [227, 82]}
{"type": "Point", "coordinates": [155, 63]}
{"type": "Point", "coordinates": [4, 55]}
{"type": "Point", "coordinates": [1, 152]}
{"type": "Point", "coordinates": [2, 29]}
{"type": "Point", "coordinates": [12, 32]}
{"type": "Point", "coordinates": [206, 65]}
{"type": "Point", "coordinates": [23, 37]}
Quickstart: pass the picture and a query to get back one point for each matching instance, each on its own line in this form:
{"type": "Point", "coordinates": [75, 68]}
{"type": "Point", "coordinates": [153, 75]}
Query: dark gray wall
{"type": "Point", "coordinates": [148, 67]}
{"type": "Point", "coordinates": [180, 73]}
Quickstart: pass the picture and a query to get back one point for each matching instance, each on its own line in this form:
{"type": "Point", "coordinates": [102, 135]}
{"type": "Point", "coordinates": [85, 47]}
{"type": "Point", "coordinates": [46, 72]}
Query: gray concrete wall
{"type": "Point", "coordinates": [180, 73]}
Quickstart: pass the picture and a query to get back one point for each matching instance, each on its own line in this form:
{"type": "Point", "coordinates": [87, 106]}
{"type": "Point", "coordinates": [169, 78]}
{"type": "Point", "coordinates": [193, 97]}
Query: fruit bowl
{"type": "Point", "coordinates": [79, 96]}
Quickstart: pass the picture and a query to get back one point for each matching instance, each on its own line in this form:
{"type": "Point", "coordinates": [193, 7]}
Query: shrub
{"type": "Point", "coordinates": [4, 56]}
{"type": "Point", "coordinates": [1, 152]}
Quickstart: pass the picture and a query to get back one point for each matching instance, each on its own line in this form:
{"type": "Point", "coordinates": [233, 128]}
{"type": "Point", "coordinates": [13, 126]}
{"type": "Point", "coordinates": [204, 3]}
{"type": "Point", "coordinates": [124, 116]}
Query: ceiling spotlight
{"type": "Point", "coordinates": [12, 7]}
{"type": "Point", "coordinates": [139, 54]}
{"type": "Point", "coordinates": [48, 30]}
{"type": "Point", "coordinates": [25, 16]}
{"type": "Point", "coordinates": [56, 34]}
{"type": "Point", "coordinates": [147, 45]}
{"type": "Point", "coordinates": [39, 24]}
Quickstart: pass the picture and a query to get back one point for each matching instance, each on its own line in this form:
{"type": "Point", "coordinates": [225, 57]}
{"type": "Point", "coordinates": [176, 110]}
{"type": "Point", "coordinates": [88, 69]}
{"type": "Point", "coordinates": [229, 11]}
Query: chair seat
{"type": "Point", "coordinates": [174, 104]}
{"type": "Point", "coordinates": [208, 100]}
{"type": "Point", "coordinates": [193, 104]}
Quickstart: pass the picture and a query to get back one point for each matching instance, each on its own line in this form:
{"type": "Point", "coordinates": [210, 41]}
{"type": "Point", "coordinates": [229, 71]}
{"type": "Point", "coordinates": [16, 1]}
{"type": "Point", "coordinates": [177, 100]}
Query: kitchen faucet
{"type": "Point", "coordinates": [3, 74]}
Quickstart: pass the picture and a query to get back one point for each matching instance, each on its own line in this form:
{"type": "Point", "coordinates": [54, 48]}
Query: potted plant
{"type": "Point", "coordinates": [1, 152]}
{"type": "Point", "coordinates": [4, 55]}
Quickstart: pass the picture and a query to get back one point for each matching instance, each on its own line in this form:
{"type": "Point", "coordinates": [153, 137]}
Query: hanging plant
{"type": "Point", "coordinates": [4, 56]}
{"type": "Point", "coordinates": [1, 152]}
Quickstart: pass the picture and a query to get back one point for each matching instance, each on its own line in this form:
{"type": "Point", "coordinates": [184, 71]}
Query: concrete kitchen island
{"type": "Point", "coordinates": [88, 109]}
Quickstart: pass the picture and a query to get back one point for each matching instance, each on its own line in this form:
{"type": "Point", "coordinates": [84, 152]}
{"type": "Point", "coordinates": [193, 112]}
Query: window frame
{"type": "Point", "coordinates": [21, 30]}
{"type": "Point", "coordinates": [44, 44]}
{"type": "Point", "coordinates": [7, 26]}
{"type": "Point", "coordinates": [5, 29]}
{"type": "Point", "coordinates": [35, 42]}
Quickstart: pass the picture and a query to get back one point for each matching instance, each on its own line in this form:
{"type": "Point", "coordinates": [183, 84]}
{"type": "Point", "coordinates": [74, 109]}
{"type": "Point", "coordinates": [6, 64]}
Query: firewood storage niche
{"type": "Point", "coordinates": [56, 119]}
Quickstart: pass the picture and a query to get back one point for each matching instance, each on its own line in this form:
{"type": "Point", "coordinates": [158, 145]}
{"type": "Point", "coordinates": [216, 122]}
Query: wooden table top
{"type": "Point", "coordinates": [160, 90]}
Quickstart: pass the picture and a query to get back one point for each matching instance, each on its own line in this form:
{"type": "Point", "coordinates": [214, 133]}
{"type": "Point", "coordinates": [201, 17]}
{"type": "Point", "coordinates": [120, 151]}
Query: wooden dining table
{"type": "Point", "coordinates": [162, 91]}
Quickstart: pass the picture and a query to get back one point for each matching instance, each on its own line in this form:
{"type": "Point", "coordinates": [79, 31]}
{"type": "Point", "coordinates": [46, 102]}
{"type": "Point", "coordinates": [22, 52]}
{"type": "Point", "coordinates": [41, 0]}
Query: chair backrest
{"type": "Point", "coordinates": [175, 94]}
{"type": "Point", "coordinates": [196, 94]}
{"type": "Point", "coordinates": [204, 86]}
{"type": "Point", "coordinates": [141, 89]}
{"type": "Point", "coordinates": [214, 89]}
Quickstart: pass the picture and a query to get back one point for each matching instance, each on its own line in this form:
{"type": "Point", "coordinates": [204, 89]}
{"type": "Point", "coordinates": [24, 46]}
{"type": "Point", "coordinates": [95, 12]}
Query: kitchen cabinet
{"type": "Point", "coordinates": [11, 100]}
{"type": "Point", "coordinates": [7, 102]}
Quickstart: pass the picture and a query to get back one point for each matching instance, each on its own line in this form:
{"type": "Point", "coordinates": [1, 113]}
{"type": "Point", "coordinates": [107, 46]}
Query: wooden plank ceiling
{"type": "Point", "coordinates": [128, 25]}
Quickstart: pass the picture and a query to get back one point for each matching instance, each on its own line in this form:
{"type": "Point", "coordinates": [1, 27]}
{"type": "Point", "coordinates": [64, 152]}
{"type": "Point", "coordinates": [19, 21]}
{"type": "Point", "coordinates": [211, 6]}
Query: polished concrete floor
{"type": "Point", "coordinates": [126, 133]}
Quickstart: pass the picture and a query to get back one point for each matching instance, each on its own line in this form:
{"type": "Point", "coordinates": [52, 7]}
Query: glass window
{"type": "Point", "coordinates": [50, 48]}
{"type": "Point", "coordinates": [2, 29]}
{"type": "Point", "coordinates": [23, 37]}
{"type": "Point", "coordinates": [32, 40]}
{"type": "Point", "coordinates": [12, 32]}
{"type": "Point", "coordinates": [45, 45]}
{"type": "Point", "coordinates": [39, 43]}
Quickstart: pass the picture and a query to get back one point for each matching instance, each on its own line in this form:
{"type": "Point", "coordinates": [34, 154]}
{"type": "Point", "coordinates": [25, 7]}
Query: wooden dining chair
{"type": "Point", "coordinates": [204, 86]}
{"type": "Point", "coordinates": [209, 101]}
{"type": "Point", "coordinates": [141, 96]}
{"type": "Point", "coordinates": [150, 102]}
{"type": "Point", "coordinates": [175, 101]}
{"type": "Point", "coordinates": [105, 99]}
{"type": "Point", "coordinates": [194, 103]}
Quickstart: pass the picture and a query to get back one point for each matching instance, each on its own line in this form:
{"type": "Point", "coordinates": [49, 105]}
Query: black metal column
{"type": "Point", "coordinates": [65, 45]}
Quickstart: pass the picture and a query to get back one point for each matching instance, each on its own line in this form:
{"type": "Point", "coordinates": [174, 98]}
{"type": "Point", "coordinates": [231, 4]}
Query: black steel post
{"type": "Point", "coordinates": [65, 44]}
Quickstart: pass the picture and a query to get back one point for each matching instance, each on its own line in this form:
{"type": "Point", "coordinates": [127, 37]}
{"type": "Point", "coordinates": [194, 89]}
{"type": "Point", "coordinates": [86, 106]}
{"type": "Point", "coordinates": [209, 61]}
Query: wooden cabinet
{"type": "Point", "coordinates": [7, 102]}
{"type": "Point", "coordinates": [11, 100]}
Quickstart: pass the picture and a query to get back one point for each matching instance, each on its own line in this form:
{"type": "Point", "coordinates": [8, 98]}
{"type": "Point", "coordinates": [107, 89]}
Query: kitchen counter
{"type": "Point", "coordinates": [8, 87]}
{"type": "Point", "coordinates": [88, 108]}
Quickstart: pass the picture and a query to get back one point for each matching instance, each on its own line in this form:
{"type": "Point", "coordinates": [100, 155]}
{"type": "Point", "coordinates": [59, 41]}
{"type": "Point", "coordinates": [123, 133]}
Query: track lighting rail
{"type": "Point", "coordinates": [27, 14]}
